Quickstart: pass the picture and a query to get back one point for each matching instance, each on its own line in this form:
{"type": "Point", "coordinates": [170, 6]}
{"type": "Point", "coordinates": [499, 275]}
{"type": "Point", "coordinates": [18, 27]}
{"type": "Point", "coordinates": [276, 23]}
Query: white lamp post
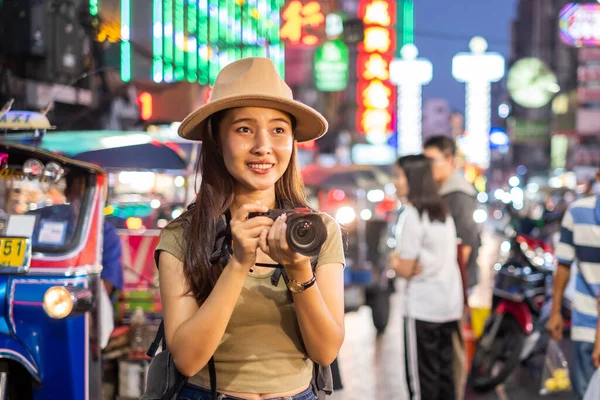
{"type": "Point", "coordinates": [478, 69]}
{"type": "Point", "coordinates": [410, 73]}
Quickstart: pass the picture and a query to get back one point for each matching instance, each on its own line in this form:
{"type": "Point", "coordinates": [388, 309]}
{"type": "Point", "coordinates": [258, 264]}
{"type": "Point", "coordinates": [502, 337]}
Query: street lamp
{"type": "Point", "coordinates": [478, 69]}
{"type": "Point", "coordinates": [410, 73]}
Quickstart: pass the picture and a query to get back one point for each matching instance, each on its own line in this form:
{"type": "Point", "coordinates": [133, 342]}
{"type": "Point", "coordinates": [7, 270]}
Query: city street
{"type": "Point", "coordinates": [369, 364]}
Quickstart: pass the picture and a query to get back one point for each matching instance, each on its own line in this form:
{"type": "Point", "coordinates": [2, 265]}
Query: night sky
{"type": "Point", "coordinates": [443, 31]}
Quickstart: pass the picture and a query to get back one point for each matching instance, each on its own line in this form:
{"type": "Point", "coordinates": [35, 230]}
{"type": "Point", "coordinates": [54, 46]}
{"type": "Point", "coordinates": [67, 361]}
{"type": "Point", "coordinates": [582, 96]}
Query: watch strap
{"type": "Point", "coordinates": [300, 287]}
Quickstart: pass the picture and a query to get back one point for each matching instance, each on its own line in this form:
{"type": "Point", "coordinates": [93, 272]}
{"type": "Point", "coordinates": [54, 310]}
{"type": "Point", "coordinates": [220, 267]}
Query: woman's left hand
{"type": "Point", "coordinates": [274, 243]}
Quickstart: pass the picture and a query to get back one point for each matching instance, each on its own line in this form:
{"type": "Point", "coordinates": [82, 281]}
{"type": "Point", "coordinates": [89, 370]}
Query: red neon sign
{"type": "Point", "coordinates": [145, 103]}
{"type": "Point", "coordinates": [376, 96]}
{"type": "Point", "coordinates": [302, 23]}
{"type": "Point", "coordinates": [374, 66]}
{"type": "Point", "coordinates": [377, 12]}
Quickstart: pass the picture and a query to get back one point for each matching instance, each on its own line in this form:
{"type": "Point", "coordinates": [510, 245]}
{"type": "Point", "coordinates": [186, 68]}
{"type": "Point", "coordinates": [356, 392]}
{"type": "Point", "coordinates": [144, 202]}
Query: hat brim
{"type": "Point", "coordinates": [310, 124]}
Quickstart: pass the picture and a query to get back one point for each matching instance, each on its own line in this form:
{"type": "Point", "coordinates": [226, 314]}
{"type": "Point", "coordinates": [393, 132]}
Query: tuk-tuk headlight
{"type": "Point", "coordinates": [58, 302]}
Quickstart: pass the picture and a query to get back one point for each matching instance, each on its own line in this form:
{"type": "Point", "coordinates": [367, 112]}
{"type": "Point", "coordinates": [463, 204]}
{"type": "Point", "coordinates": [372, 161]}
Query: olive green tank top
{"type": "Point", "coordinates": [262, 349]}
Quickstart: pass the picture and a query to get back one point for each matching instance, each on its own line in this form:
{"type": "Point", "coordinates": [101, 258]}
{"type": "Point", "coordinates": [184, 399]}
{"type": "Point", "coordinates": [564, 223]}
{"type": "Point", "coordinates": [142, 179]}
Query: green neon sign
{"type": "Point", "coordinates": [331, 66]}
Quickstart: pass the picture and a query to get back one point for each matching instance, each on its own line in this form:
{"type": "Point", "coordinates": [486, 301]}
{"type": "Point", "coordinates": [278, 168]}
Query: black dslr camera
{"type": "Point", "coordinates": [306, 232]}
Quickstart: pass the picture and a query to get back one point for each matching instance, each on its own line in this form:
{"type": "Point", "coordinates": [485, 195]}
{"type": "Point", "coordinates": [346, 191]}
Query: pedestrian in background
{"type": "Point", "coordinates": [579, 240]}
{"type": "Point", "coordinates": [426, 256]}
{"type": "Point", "coordinates": [461, 197]}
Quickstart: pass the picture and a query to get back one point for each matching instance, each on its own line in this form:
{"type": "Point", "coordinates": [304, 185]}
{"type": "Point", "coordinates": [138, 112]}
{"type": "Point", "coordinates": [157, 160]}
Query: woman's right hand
{"type": "Point", "coordinates": [246, 233]}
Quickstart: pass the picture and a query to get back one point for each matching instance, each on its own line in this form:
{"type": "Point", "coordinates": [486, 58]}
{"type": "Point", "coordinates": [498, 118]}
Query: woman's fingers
{"type": "Point", "coordinates": [242, 213]}
{"type": "Point", "coordinates": [246, 234]}
{"type": "Point", "coordinates": [262, 241]}
{"type": "Point", "coordinates": [281, 235]}
{"type": "Point", "coordinates": [257, 221]}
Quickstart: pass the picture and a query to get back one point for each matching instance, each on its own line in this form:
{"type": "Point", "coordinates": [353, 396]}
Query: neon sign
{"type": "Point", "coordinates": [193, 39]}
{"type": "Point", "coordinates": [144, 100]}
{"type": "Point", "coordinates": [377, 12]}
{"type": "Point", "coordinates": [376, 95]}
{"type": "Point", "coordinates": [478, 69]}
{"type": "Point", "coordinates": [297, 18]}
{"type": "Point", "coordinates": [410, 73]}
{"type": "Point", "coordinates": [579, 24]}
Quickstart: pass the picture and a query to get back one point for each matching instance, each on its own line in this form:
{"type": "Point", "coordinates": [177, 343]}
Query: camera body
{"type": "Point", "coordinates": [306, 232]}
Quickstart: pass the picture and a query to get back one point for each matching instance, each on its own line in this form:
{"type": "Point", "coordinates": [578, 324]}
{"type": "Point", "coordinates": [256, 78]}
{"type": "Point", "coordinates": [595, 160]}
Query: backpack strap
{"type": "Point", "coordinates": [158, 339]}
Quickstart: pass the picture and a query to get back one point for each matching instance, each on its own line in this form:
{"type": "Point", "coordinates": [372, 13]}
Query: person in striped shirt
{"type": "Point", "coordinates": [579, 240]}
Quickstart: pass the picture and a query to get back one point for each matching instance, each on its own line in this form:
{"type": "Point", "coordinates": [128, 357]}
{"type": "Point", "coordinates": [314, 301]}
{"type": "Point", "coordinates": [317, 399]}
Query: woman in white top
{"type": "Point", "coordinates": [426, 256]}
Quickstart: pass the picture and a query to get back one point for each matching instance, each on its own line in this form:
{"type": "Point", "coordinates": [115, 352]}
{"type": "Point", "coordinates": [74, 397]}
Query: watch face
{"type": "Point", "coordinates": [295, 287]}
{"type": "Point", "coordinates": [531, 83]}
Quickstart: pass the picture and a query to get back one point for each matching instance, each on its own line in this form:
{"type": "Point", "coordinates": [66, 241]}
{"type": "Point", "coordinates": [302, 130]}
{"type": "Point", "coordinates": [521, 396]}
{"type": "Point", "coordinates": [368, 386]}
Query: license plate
{"type": "Point", "coordinates": [14, 252]}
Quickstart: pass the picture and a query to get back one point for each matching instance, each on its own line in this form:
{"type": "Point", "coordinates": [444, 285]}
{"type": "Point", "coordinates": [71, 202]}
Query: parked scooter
{"type": "Point", "coordinates": [515, 331]}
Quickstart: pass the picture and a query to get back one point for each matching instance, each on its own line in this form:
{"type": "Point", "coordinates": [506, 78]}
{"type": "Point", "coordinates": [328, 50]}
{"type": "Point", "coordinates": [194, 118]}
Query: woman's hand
{"type": "Point", "coordinates": [275, 245]}
{"type": "Point", "coordinates": [404, 268]}
{"type": "Point", "coordinates": [247, 232]}
{"type": "Point", "coordinates": [596, 355]}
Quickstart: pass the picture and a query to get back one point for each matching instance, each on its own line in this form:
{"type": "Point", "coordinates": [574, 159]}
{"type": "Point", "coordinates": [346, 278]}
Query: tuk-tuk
{"type": "Point", "coordinates": [51, 213]}
{"type": "Point", "coordinates": [148, 186]}
{"type": "Point", "coordinates": [356, 197]}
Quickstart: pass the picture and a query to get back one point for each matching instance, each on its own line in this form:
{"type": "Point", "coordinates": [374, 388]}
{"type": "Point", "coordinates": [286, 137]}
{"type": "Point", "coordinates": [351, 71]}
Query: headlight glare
{"type": "Point", "coordinates": [58, 302]}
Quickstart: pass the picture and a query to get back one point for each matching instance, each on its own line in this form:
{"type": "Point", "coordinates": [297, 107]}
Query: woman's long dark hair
{"type": "Point", "coordinates": [215, 196]}
{"type": "Point", "coordinates": [423, 193]}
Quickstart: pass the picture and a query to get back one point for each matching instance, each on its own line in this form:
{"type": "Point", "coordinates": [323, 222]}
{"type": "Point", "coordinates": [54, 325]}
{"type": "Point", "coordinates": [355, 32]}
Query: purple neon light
{"type": "Point", "coordinates": [567, 14]}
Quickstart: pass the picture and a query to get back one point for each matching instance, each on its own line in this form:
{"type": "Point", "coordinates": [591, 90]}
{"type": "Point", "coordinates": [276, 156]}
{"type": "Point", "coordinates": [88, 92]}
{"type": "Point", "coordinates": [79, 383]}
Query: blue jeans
{"type": "Point", "coordinates": [193, 392]}
{"type": "Point", "coordinates": [583, 366]}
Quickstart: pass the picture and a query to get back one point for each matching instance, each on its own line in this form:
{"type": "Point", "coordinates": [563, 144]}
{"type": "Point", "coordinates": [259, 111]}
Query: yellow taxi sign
{"type": "Point", "coordinates": [24, 120]}
{"type": "Point", "coordinates": [15, 254]}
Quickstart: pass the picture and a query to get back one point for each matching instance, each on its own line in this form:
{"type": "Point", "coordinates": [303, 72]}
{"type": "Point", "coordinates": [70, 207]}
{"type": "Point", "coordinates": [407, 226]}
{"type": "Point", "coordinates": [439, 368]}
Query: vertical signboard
{"type": "Point", "coordinates": [376, 95]}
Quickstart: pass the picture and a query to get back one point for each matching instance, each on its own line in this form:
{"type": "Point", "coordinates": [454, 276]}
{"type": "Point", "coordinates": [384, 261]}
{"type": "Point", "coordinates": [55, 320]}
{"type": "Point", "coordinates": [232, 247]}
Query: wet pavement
{"type": "Point", "coordinates": [370, 366]}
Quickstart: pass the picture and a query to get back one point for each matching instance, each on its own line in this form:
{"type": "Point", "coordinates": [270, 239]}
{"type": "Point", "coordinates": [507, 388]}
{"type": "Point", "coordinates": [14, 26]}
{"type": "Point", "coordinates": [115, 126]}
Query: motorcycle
{"type": "Point", "coordinates": [516, 331]}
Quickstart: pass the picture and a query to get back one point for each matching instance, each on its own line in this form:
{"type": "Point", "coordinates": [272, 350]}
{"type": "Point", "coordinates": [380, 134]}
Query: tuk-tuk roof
{"type": "Point", "coordinates": [23, 121]}
{"type": "Point", "coordinates": [126, 150]}
{"type": "Point", "coordinates": [72, 143]}
{"type": "Point", "coordinates": [54, 157]}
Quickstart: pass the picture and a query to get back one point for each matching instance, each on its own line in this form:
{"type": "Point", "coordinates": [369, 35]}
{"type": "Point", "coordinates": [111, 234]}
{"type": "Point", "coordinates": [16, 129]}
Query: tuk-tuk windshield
{"type": "Point", "coordinates": [144, 199]}
{"type": "Point", "coordinates": [50, 213]}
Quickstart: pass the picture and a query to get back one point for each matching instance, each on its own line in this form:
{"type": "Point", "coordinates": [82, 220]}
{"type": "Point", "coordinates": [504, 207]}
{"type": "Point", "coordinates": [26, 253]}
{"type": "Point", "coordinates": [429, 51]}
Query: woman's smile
{"type": "Point", "coordinates": [260, 167]}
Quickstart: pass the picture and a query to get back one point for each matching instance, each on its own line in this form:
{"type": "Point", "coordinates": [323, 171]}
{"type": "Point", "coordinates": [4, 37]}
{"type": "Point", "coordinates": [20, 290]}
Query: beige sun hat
{"type": "Point", "coordinates": [253, 82]}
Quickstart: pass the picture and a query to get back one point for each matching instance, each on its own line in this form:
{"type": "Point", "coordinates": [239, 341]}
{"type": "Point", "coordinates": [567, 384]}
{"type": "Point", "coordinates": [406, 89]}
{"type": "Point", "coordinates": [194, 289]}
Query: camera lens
{"type": "Point", "coordinates": [306, 234]}
{"type": "Point", "coordinates": [303, 229]}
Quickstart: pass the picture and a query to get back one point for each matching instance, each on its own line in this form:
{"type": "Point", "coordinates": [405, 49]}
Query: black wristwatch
{"type": "Point", "coordinates": [296, 287]}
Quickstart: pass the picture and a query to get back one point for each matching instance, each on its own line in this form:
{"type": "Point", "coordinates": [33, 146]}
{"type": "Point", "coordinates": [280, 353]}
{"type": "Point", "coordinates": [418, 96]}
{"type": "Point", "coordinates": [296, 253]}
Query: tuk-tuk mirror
{"type": "Point", "coordinates": [33, 168]}
{"type": "Point", "coordinates": [53, 172]}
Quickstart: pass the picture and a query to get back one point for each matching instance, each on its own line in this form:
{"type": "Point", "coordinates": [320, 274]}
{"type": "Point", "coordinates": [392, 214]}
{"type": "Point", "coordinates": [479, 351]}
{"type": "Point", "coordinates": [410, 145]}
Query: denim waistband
{"type": "Point", "coordinates": [193, 392]}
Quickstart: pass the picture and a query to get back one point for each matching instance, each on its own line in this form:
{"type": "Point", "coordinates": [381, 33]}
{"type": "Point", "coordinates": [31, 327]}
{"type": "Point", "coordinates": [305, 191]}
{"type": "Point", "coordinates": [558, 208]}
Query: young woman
{"type": "Point", "coordinates": [264, 345]}
{"type": "Point", "coordinates": [426, 257]}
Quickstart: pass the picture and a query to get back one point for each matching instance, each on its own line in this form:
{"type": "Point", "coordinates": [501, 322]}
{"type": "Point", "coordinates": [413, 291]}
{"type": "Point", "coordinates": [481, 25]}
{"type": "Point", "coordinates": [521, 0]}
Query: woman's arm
{"type": "Point", "coordinates": [193, 333]}
{"type": "Point", "coordinates": [320, 310]}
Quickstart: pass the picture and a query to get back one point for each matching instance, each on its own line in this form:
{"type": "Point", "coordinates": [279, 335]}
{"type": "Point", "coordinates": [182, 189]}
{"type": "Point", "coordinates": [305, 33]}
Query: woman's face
{"type": "Point", "coordinates": [400, 182]}
{"type": "Point", "coordinates": [257, 145]}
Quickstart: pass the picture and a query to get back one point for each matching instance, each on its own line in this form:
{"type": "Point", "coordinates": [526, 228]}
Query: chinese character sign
{"type": "Point", "coordinates": [376, 96]}
{"type": "Point", "coordinates": [302, 23]}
